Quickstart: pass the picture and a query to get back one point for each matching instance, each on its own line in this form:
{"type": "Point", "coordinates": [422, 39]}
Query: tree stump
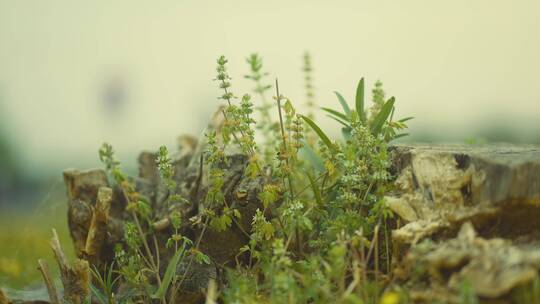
{"type": "Point", "coordinates": [467, 211]}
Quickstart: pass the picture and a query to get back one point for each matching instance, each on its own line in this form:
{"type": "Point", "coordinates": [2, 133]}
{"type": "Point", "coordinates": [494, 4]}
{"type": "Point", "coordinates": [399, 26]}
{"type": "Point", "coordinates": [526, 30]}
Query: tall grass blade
{"type": "Point", "coordinates": [336, 113]}
{"type": "Point", "coordinates": [405, 119]}
{"type": "Point", "coordinates": [346, 125]}
{"type": "Point", "coordinates": [382, 116]}
{"type": "Point", "coordinates": [320, 133]}
{"type": "Point", "coordinates": [343, 103]}
{"type": "Point", "coordinates": [360, 100]}
{"type": "Point", "coordinates": [169, 273]}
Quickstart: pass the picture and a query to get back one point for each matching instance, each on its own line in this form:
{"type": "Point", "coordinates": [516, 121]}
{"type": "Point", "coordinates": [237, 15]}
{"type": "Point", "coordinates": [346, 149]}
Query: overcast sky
{"type": "Point", "coordinates": [138, 73]}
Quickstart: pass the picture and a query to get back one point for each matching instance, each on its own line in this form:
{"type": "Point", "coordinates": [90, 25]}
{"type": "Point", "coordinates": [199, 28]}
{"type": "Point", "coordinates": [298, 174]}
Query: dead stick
{"type": "Point", "coordinates": [51, 289]}
{"type": "Point", "coordinates": [76, 279]}
{"type": "Point", "coordinates": [59, 254]}
{"type": "Point", "coordinates": [3, 298]}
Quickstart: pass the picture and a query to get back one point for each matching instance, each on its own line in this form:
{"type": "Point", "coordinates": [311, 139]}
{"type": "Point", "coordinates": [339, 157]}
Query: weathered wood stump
{"type": "Point", "coordinates": [491, 195]}
{"type": "Point", "coordinates": [97, 212]}
{"type": "Point", "coordinates": [497, 187]}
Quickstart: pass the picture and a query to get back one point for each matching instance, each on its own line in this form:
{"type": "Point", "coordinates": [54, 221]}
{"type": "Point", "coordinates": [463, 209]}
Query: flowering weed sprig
{"type": "Point", "coordinates": [308, 83]}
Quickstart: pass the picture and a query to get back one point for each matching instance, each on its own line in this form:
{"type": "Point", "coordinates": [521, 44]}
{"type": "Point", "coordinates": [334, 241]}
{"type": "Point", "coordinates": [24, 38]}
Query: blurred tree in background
{"type": "Point", "coordinates": [10, 174]}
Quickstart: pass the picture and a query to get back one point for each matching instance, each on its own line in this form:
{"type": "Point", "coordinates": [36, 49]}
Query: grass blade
{"type": "Point", "coordinates": [336, 113]}
{"type": "Point", "coordinates": [360, 100]}
{"type": "Point", "coordinates": [343, 103]}
{"type": "Point", "coordinates": [401, 135]}
{"type": "Point", "coordinates": [340, 121]}
{"type": "Point", "coordinates": [405, 119]}
{"type": "Point", "coordinates": [169, 273]}
{"type": "Point", "coordinates": [319, 132]}
{"type": "Point", "coordinates": [96, 292]}
{"type": "Point", "coordinates": [382, 116]}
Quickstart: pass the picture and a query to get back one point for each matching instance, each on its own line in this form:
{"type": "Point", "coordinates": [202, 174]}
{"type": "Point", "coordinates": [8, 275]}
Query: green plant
{"type": "Point", "coordinates": [467, 295]}
{"type": "Point", "coordinates": [138, 260]}
{"type": "Point", "coordinates": [321, 232]}
{"type": "Point", "coordinates": [380, 120]}
{"type": "Point", "coordinates": [267, 127]}
{"type": "Point", "coordinates": [105, 286]}
{"type": "Point", "coordinates": [345, 208]}
{"type": "Point", "coordinates": [257, 76]}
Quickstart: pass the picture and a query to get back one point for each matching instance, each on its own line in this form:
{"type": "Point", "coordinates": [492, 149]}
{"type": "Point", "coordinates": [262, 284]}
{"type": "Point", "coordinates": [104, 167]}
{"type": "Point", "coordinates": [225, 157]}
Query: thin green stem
{"type": "Point", "coordinates": [284, 140]}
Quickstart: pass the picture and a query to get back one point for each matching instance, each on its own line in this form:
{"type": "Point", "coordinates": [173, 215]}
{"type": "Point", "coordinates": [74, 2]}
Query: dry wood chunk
{"type": "Point", "coordinates": [97, 232]}
{"type": "Point", "coordinates": [442, 186]}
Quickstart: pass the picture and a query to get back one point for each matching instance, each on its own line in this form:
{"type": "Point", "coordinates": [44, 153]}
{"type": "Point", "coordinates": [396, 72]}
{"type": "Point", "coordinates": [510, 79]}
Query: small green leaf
{"type": "Point", "coordinates": [405, 119]}
{"type": "Point", "coordinates": [360, 100]}
{"type": "Point", "coordinates": [269, 195]}
{"type": "Point", "coordinates": [201, 258]}
{"type": "Point", "coordinates": [319, 132]}
{"type": "Point", "coordinates": [336, 113]}
{"type": "Point", "coordinates": [343, 103]}
{"type": "Point", "coordinates": [401, 135]}
{"type": "Point", "coordinates": [382, 116]}
{"type": "Point", "coordinates": [288, 107]}
{"type": "Point", "coordinates": [169, 273]}
{"type": "Point", "coordinates": [244, 248]}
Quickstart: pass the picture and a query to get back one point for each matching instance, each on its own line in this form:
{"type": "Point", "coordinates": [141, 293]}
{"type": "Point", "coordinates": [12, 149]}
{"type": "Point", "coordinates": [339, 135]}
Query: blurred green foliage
{"type": "Point", "coordinates": [24, 238]}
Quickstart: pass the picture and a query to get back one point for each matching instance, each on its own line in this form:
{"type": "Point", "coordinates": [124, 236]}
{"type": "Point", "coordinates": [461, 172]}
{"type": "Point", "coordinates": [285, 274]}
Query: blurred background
{"type": "Point", "coordinates": [137, 74]}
